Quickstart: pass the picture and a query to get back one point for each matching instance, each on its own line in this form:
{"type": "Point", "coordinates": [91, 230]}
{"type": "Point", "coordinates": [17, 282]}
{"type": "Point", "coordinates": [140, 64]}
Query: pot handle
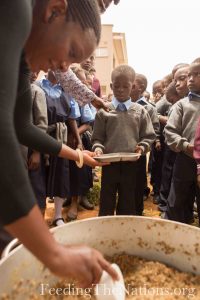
{"type": "Point", "coordinates": [13, 244]}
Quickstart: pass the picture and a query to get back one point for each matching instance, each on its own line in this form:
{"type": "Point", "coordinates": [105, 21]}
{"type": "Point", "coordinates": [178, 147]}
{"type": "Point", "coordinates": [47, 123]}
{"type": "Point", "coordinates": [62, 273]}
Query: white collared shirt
{"type": "Point", "coordinates": [127, 103]}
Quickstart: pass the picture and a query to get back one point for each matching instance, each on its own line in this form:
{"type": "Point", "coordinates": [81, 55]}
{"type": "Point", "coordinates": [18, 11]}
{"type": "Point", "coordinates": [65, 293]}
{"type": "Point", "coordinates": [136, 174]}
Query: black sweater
{"type": "Point", "coordinates": [16, 195]}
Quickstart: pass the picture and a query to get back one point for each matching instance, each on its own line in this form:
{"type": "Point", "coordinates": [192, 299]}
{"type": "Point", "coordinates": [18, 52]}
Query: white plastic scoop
{"type": "Point", "coordinates": [108, 289]}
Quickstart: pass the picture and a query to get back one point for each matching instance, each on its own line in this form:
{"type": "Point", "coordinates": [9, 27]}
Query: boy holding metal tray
{"type": "Point", "coordinates": [126, 128]}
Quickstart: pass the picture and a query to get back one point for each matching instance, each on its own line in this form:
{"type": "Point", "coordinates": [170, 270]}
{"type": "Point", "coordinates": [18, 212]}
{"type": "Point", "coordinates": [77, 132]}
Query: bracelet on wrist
{"type": "Point", "coordinates": [80, 155]}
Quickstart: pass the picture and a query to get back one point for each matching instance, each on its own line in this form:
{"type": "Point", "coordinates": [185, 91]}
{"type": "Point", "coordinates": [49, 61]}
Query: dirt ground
{"type": "Point", "coordinates": [150, 210]}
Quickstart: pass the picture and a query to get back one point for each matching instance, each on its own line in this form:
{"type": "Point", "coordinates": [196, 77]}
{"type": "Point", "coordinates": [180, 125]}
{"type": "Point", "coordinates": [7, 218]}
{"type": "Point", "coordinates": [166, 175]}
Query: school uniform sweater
{"type": "Point", "coordinates": [163, 106]}
{"type": "Point", "coordinates": [121, 131]}
{"type": "Point", "coordinates": [182, 123]}
{"type": "Point", "coordinates": [153, 115]}
{"type": "Point", "coordinates": [39, 108]}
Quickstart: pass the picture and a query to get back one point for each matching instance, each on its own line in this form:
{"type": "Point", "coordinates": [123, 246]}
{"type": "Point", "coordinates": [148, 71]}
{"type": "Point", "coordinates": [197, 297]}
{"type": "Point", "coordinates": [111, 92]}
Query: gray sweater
{"type": "Point", "coordinates": [117, 131]}
{"type": "Point", "coordinates": [163, 106]}
{"type": "Point", "coordinates": [154, 119]}
{"type": "Point", "coordinates": [39, 108]}
{"type": "Point", "coordinates": [182, 123]}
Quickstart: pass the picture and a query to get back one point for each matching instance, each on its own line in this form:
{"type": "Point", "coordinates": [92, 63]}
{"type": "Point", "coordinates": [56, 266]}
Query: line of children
{"type": "Point", "coordinates": [179, 134]}
{"type": "Point", "coordinates": [131, 124]}
{"type": "Point", "coordinates": [175, 91]}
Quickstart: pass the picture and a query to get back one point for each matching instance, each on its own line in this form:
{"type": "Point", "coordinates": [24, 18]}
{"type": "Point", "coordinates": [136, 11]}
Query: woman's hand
{"type": "Point", "coordinates": [99, 103]}
{"type": "Point", "coordinates": [88, 159]}
{"type": "Point", "coordinates": [82, 263]}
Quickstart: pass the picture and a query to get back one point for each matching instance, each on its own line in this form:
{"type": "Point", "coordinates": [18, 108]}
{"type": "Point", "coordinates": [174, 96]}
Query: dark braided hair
{"type": "Point", "coordinates": [86, 13]}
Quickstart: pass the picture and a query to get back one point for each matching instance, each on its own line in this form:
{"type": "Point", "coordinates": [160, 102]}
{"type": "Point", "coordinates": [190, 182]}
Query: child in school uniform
{"type": "Point", "coordinates": [177, 90]}
{"type": "Point", "coordinates": [157, 91]}
{"type": "Point", "coordinates": [162, 107]}
{"type": "Point", "coordinates": [59, 113]}
{"type": "Point", "coordinates": [36, 160]}
{"type": "Point", "coordinates": [197, 151]}
{"type": "Point", "coordinates": [142, 190]}
{"type": "Point", "coordinates": [168, 155]}
{"type": "Point", "coordinates": [81, 179]}
{"type": "Point", "coordinates": [196, 155]}
{"type": "Point", "coordinates": [179, 134]}
{"type": "Point", "coordinates": [126, 127]}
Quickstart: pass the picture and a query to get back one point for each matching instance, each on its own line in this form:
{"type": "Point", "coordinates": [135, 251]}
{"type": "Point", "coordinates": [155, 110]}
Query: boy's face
{"type": "Point", "coordinates": [180, 79]}
{"type": "Point", "coordinates": [136, 91]}
{"type": "Point", "coordinates": [193, 81]}
{"type": "Point", "coordinates": [88, 63]}
{"type": "Point", "coordinates": [158, 91]}
{"type": "Point", "coordinates": [122, 87]}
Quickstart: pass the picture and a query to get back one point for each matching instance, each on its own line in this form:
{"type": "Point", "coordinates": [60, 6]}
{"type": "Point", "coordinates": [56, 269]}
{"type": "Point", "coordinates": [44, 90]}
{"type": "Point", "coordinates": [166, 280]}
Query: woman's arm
{"type": "Point", "coordinates": [75, 88]}
{"type": "Point", "coordinates": [80, 262]}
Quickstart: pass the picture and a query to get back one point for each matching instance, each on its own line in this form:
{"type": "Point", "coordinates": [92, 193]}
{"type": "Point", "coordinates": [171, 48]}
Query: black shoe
{"type": "Point", "coordinates": [156, 199]}
{"type": "Point", "coordinates": [51, 200]}
{"type": "Point", "coordinates": [147, 191]}
{"type": "Point", "coordinates": [67, 202]}
{"type": "Point", "coordinates": [85, 203]}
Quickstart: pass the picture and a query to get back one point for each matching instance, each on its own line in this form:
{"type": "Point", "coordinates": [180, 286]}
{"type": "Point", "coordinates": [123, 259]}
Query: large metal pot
{"type": "Point", "coordinates": [169, 242]}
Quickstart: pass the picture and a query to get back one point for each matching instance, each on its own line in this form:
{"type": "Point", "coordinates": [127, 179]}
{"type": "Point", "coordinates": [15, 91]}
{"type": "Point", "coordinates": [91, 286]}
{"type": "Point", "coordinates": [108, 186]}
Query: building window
{"type": "Point", "coordinates": [101, 52]}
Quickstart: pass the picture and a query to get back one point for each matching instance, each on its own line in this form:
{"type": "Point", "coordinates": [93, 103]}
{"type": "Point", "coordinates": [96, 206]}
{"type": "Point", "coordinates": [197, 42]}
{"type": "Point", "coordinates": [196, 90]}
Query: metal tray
{"type": "Point", "coordinates": [116, 157]}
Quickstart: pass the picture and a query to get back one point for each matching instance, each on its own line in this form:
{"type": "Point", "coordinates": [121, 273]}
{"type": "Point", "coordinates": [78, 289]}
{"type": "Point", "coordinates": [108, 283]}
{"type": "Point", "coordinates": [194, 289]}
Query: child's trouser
{"type": "Point", "coordinates": [118, 178]}
{"type": "Point", "coordinates": [183, 190]}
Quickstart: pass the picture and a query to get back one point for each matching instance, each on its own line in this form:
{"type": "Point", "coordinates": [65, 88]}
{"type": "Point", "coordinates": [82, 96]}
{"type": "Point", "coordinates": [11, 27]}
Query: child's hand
{"type": "Point", "coordinates": [158, 146]}
{"type": "Point", "coordinates": [98, 151]}
{"type": "Point", "coordinates": [198, 180]}
{"type": "Point", "coordinates": [139, 149]}
{"type": "Point", "coordinates": [34, 161]}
